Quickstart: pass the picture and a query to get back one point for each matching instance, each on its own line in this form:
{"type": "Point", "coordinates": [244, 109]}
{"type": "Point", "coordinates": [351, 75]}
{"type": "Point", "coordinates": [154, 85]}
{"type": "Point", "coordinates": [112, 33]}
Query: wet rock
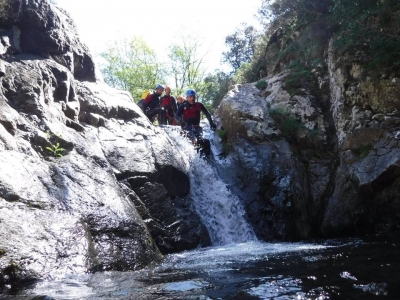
{"type": "Point", "coordinates": [67, 145]}
{"type": "Point", "coordinates": [171, 220]}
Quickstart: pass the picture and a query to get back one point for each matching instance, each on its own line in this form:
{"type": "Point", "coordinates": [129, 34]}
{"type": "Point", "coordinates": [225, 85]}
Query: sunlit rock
{"type": "Point", "coordinates": [74, 156]}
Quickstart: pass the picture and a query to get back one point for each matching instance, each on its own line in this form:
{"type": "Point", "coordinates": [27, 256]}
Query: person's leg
{"type": "Point", "coordinates": [162, 118]}
{"type": "Point", "coordinates": [152, 113]}
{"type": "Point", "coordinates": [199, 131]}
{"type": "Point", "coordinates": [170, 116]}
{"type": "Point", "coordinates": [192, 133]}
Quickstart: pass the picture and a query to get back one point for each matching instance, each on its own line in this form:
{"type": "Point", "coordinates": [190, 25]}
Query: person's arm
{"type": "Point", "coordinates": [147, 101]}
{"type": "Point", "coordinates": [178, 115]}
{"type": "Point", "coordinates": [208, 116]}
{"type": "Point", "coordinates": [174, 106]}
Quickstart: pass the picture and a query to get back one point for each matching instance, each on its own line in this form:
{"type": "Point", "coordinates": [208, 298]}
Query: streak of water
{"type": "Point", "coordinates": [221, 212]}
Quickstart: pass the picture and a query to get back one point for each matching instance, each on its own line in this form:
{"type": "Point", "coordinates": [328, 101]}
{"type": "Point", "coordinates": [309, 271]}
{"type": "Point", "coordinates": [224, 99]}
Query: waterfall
{"type": "Point", "coordinates": [221, 211]}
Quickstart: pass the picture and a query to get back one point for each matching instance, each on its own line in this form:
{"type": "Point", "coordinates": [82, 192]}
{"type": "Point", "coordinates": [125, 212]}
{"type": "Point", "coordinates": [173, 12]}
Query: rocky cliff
{"type": "Point", "coordinates": [316, 149]}
{"type": "Point", "coordinates": [87, 183]}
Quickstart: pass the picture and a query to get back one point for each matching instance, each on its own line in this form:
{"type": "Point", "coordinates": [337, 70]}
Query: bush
{"type": "Point", "coordinates": [286, 122]}
{"type": "Point", "coordinates": [262, 84]}
{"type": "Point", "coordinates": [299, 77]}
{"type": "Point", "coordinates": [373, 27]}
{"type": "Point", "coordinates": [226, 147]}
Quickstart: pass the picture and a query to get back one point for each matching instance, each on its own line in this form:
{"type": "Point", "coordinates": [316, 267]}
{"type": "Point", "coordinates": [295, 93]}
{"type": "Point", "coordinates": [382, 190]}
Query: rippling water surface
{"type": "Point", "coordinates": [350, 269]}
{"type": "Point", "coordinates": [239, 267]}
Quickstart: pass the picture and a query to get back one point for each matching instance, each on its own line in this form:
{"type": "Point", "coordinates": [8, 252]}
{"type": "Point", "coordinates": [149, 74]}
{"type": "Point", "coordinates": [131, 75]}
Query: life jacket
{"type": "Point", "coordinates": [166, 101]}
{"type": "Point", "coordinates": [169, 104]}
{"type": "Point", "coordinates": [141, 101]}
{"type": "Point", "coordinates": [191, 113]}
{"type": "Point", "coordinates": [144, 94]}
{"type": "Point", "coordinates": [152, 101]}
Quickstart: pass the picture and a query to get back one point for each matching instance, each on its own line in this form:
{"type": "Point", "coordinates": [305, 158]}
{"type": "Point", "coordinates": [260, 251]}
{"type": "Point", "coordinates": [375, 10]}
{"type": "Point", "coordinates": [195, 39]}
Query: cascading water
{"type": "Point", "coordinates": [244, 269]}
{"type": "Point", "coordinates": [221, 211]}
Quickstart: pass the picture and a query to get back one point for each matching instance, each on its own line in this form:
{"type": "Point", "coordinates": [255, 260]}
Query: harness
{"type": "Point", "coordinates": [167, 101]}
{"type": "Point", "coordinates": [191, 113]}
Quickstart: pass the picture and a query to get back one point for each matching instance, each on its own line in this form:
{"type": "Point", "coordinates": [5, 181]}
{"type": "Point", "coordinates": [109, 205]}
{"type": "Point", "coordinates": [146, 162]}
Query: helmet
{"type": "Point", "coordinates": [159, 86]}
{"type": "Point", "coordinates": [190, 92]}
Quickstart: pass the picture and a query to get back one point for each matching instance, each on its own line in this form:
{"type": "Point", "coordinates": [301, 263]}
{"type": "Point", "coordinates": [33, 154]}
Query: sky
{"type": "Point", "coordinates": [160, 22]}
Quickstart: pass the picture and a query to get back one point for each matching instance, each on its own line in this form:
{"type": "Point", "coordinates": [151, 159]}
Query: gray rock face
{"type": "Point", "coordinates": [280, 199]}
{"type": "Point", "coordinates": [87, 183]}
{"type": "Point", "coordinates": [37, 27]}
{"type": "Point", "coordinates": [309, 165]}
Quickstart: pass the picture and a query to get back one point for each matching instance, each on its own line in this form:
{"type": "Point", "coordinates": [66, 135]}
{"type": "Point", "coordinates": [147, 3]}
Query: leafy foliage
{"type": "Point", "coordinates": [297, 12]}
{"type": "Point", "coordinates": [262, 84]}
{"type": "Point", "coordinates": [56, 150]}
{"type": "Point", "coordinates": [241, 46]}
{"type": "Point", "coordinates": [226, 147]}
{"type": "Point", "coordinates": [186, 64]}
{"type": "Point", "coordinates": [371, 26]}
{"type": "Point", "coordinates": [216, 86]}
{"type": "Point", "coordinates": [287, 122]}
{"type": "Point", "coordinates": [299, 77]}
{"type": "Point", "coordinates": [132, 66]}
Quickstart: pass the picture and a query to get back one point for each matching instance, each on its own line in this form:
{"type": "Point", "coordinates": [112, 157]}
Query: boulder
{"type": "Point", "coordinates": [82, 168]}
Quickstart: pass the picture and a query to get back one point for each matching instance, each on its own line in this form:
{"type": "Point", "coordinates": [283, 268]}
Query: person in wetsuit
{"type": "Point", "coordinates": [188, 116]}
{"type": "Point", "coordinates": [168, 104]}
{"type": "Point", "coordinates": [151, 105]}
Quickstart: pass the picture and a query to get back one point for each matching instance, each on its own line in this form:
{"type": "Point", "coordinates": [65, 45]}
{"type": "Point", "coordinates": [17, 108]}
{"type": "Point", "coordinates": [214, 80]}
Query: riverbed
{"type": "Point", "coordinates": [364, 268]}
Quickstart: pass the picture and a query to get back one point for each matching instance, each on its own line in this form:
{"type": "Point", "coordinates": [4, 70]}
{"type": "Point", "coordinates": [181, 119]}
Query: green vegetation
{"type": "Point", "coordinates": [262, 84]}
{"type": "Point", "coordinates": [223, 134]}
{"type": "Point", "coordinates": [216, 85]}
{"type": "Point", "coordinates": [299, 77]}
{"type": "Point", "coordinates": [286, 122]}
{"type": "Point", "coordinates": [295, 38]}
{"type": "Point", "coordinates": [186, 65]}
{"type": "Point", "coordinates": [55, 149]}
{"type": "Point", "coordinates": [372, 27]}
{"type": "Point", "coordinates": [241, 45]}
{"type": "Point", "coordinates": [132, 66]}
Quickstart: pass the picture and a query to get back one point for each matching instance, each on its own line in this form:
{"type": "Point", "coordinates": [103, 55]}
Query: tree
{"type": "Point", "coordinates": [241, 46]}
{"type": "Point", "coordinates": [299, 11]}
{"type": "Point", "coordinates": [370, 26]}
{"type": "Point", "coordinates": [216, 86]}
{"type": "Point", "coordinates": [186, 64]}
{"type": "Point", "coordinates": [132, 66]}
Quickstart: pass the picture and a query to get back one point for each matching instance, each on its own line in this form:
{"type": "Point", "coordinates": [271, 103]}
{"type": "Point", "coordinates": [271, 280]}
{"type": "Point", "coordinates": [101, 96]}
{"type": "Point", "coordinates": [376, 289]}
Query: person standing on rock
{"type": "Point", "coordinates": [180, 100]}
{"type": "Point", "coordinates": [168, 104]}
{"type": "Point", "coordinates": [151, 105]}
{"type": "Point", "coordinates": [188, 116]}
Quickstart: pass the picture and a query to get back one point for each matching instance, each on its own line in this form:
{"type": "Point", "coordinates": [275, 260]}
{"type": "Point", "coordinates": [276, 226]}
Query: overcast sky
{"type": "Point", "coordinates": [160, 21]}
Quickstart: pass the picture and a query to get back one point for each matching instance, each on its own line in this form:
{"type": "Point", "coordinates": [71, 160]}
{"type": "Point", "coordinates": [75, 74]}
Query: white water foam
{"type": "Point", "coordinates": [221, 212]}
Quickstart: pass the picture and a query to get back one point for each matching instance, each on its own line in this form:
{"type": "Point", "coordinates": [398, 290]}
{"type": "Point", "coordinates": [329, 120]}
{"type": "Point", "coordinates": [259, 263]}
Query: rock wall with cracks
{"type": "Point", "coordinates": [321, 162]}
{"type": "Point", "coordinates": [87, 183]}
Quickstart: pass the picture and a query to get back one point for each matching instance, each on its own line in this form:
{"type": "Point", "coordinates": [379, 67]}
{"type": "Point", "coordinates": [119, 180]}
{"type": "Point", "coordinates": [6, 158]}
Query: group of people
{"type": "Point", "coordinates": [185, 112]}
